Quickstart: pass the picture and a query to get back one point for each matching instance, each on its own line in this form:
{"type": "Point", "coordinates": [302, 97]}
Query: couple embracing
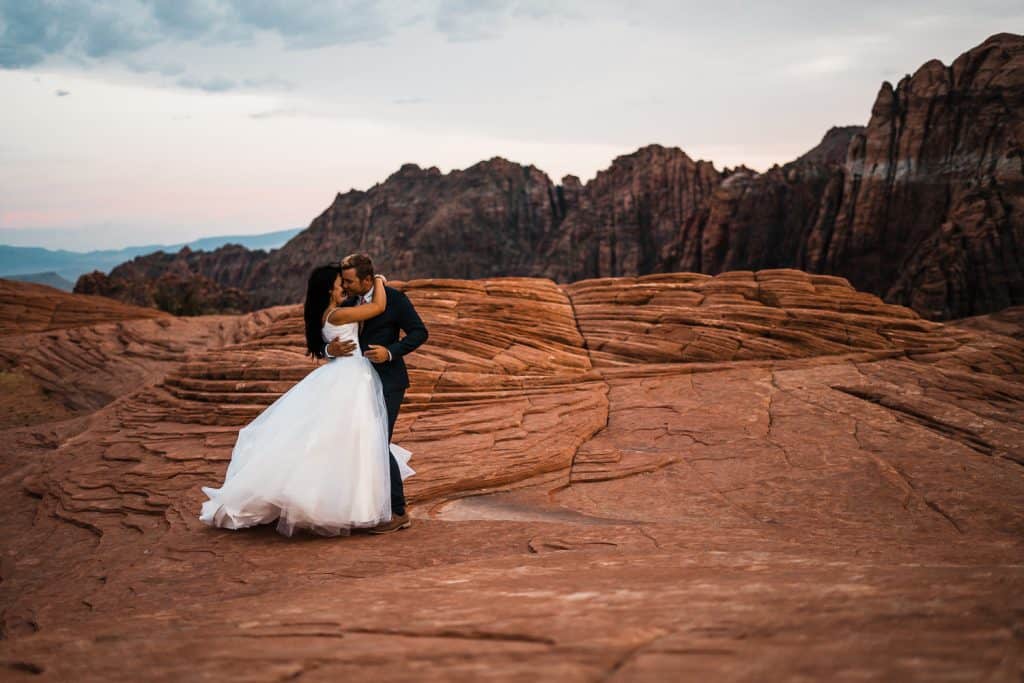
{"type": "Point", "coordinates": [320, 458]}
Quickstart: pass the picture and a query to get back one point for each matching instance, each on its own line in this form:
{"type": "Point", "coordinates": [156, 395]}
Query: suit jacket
{"type": "Point", "coordinates": [398, 315]}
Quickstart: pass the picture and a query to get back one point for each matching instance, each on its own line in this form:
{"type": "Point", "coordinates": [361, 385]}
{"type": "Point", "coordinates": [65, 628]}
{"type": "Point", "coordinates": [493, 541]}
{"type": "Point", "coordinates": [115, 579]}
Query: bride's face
{"type": "Point", "coordinates": [336, 294]}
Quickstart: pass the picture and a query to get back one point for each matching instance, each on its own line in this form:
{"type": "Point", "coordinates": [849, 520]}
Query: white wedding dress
{"type": "Point", "coordinates": [315, 459]}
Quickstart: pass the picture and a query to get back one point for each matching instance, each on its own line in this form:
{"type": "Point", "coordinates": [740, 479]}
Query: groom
{"type": "Point", "coordinates": [380, 343]}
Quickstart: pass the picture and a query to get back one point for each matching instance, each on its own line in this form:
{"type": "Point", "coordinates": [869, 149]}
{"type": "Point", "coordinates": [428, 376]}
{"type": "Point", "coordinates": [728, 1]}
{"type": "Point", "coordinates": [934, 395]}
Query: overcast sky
{"type": "Point", "coordinates": [143, 121]}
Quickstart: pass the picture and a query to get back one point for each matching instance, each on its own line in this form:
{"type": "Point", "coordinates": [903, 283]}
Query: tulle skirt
{"type": "Point", "coordinates": [315, 459]}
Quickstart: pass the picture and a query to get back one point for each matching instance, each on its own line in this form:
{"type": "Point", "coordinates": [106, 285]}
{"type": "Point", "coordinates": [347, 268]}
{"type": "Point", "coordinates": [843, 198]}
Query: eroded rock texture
{"type": "Point", "coordinates": [184, 283]}
{"type": "Point", "coordinates": [756, 476]}
{"type": "Point", "coordinates": [64, 355]}
{"type": "Point", "coordinates": [923, 207]}
{"type": "Point", "coordinates": [628, 219]}
{"type": "Point", "coordinates": [27, 307]}
{"type": "Point", "coordinates": [932, 212]}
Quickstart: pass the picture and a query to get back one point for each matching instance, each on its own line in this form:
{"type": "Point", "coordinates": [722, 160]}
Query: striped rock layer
{"type": "Point", "coordinates": [757, 475]}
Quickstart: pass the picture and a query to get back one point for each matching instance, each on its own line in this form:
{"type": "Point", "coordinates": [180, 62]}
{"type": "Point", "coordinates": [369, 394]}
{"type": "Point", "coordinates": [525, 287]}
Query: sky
{"type": "Point", "coordinates": [159, 121]}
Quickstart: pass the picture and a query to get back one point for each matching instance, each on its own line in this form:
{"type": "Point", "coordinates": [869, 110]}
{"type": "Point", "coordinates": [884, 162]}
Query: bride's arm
{"type": "Point", "coordinates": [356, 314]}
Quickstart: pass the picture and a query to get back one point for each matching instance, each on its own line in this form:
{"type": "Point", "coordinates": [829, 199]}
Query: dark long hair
{"type": "Point", "coordinates": [318, 297]}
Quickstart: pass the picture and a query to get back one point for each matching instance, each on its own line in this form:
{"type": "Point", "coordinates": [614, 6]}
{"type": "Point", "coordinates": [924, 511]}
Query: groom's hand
{"type": "Point", "coordinates": [377, 354]}
{"type": "Point", "coordinates": [341, 348]}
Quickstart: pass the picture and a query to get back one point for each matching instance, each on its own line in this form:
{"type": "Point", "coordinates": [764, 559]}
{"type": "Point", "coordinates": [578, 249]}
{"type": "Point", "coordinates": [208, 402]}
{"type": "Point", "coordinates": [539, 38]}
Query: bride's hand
{"type": "Point", "coordinates": [382, 278]}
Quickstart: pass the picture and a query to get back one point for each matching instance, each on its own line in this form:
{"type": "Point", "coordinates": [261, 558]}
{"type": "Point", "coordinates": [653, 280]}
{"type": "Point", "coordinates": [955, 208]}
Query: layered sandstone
{"type": "Point", "coordinates": [740, 316]}
{"type": "Point", "coordinates": [64, 355]}
{"type": "Point", "coordinates": [757, 475]}
{"type": "Point", "coordinates": [27, 307]}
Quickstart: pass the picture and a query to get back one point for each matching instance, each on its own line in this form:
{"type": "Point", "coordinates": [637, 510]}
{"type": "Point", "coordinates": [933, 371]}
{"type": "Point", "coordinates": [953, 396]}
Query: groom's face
{"type": "Point", "coordinates": [352, 285]}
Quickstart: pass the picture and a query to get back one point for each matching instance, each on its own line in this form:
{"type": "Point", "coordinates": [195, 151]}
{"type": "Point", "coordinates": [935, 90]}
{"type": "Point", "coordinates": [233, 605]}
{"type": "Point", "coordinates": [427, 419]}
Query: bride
{"type": "Point", "coordinates": [317, 458]}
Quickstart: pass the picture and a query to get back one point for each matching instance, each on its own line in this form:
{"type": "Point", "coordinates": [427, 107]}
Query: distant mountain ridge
{"type": "Point", "coordinates": [923, 206]}
{"type": "Point", "coordinates": [69, 265]}
{"type": "Point", "coordinates": [49, 278]}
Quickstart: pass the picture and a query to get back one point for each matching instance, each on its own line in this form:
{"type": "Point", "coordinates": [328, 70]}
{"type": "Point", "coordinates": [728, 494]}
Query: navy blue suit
{"type": "Point", "coordinates": [383, 330]}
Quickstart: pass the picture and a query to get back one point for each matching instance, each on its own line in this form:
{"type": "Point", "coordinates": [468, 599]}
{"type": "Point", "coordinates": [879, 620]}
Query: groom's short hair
{"type": "Point", "coordinates": [361, 262]}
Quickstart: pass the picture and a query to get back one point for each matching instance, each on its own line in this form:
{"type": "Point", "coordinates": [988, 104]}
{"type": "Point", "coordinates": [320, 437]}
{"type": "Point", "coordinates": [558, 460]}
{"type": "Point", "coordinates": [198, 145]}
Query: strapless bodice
{"type": "Point", "coordinates": [345, 332]}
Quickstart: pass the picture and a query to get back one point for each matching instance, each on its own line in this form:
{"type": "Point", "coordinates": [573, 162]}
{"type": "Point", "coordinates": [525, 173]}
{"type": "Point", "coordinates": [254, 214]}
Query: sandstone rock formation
{"type": "Point", "coordinates": [923, 207]}
{"type": "Point", "coordinates": [184, 283]}
{"type": "Point", "coordinates": [64, 355]}
{"type": "Point", "coordinates": [27, 307]}
{"type": "Point", "coordinates": [932, 210]}
{"type": "Point", "coordinates": [758, 475]}
{"type": "Point", "coordinates": [627, 221]}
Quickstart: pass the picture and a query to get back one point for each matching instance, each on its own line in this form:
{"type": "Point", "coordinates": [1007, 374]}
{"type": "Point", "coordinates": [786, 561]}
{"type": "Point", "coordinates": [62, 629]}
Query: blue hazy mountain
{"type": "Point", "coordinates": [42, 263]}
{"type": "Point", "coordinates": [49, 278]}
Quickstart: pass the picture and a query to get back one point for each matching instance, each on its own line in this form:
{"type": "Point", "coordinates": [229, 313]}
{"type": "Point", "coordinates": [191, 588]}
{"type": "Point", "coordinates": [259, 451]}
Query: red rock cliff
{"type": "Point", "coordinates": [924, 207]}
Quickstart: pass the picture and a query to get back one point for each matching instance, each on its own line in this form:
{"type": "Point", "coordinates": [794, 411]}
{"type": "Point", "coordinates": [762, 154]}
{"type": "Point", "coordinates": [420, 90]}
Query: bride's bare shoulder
{"type": "Point", "coordinates": [339, 315]}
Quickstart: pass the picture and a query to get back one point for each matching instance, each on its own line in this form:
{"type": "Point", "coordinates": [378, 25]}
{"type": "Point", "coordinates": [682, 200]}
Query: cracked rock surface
{"type": "Point", "coordinates": [754, 476]}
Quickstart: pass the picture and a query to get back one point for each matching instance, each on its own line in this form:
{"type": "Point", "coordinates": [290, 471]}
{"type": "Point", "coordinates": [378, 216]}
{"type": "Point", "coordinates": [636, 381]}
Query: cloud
{"type": "Point", "coordinates": [822, 66]}
{"type": "Point", "coordinates": [62, 93]}
{"type": "Point", "coordinates": [218, 84]}
{"type": "Point", "coordinates": [31, 32]}
{"type": "Point", "coordinates": [467, 20]}
{"type": "Point", "coordinates": [128, 32]}
{"type": "Point", "coordinates": [275, 114]}
{"type": "Point", "coordinates": [315, 23]}
{"type": "Point", "coordinates": [145, 66]}
{"type": "Point", "coordinates": [215, 84]}
{"type": "Point", "coordinates": [472, 20]}
{"type": "Point", "coordinates": [27, 35]}
{"type": "Point", "coordinates": [190, 19]}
